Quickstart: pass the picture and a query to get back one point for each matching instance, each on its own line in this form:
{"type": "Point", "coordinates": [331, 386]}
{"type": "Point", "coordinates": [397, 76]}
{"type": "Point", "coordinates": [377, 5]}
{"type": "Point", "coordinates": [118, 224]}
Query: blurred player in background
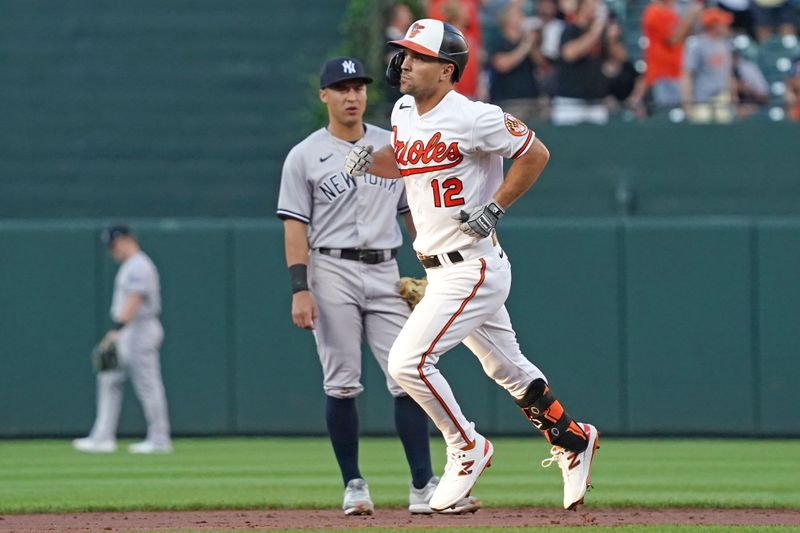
{"type": "Point", "coordinates": [137, 332]}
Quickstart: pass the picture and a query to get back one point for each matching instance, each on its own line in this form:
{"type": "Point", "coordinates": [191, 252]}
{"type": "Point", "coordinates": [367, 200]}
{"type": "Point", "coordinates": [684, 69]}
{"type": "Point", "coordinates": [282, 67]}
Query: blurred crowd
{"type": "Point", "coordinates": [590, 61]}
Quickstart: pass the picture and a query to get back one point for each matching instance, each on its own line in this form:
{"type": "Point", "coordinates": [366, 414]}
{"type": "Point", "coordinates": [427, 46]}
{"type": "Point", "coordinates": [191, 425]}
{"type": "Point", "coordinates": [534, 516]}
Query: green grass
{"type": "Point", "coordinates": [48, 476]}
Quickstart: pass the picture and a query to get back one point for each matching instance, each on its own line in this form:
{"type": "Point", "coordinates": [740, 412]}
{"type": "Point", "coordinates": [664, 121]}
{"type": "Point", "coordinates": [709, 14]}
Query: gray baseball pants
{"type": "Point", "coordinates": [138, 354]}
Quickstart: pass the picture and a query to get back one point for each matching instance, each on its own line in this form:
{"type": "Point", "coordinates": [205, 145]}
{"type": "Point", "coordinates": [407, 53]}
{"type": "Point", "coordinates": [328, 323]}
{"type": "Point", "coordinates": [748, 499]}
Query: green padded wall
{"type": "Point", "coordinates": [278, 376]}
{"type": "Point", "coordinates": [566, 311]}
{"type": "Point", "coordinates": [644, 326]}
{"type": "Point", "coordinates": [47, 327]}
{"type": "Point", "coordinates": [779, 326]}
{"type": "Point", "coordinates": [689, 327]}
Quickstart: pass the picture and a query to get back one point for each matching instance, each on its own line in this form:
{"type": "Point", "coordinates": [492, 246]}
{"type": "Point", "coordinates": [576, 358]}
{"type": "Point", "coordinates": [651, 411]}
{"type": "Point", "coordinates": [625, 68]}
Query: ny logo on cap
{"type": "Point", "coordinates": [415, 29]}
{"type": "Point", "coordinates": [348, 67]}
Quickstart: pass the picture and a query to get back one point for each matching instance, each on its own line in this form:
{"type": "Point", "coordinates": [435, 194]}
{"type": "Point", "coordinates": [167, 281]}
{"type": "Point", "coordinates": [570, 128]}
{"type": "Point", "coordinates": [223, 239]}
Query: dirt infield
{"type": "Point", "coordinates": [304, 518]}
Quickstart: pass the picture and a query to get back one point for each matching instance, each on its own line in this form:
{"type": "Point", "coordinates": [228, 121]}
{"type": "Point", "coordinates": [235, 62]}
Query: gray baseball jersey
{"type": "Point", "coordinates": [353, 298]}
{"type": "Point", "coordinates": [341, 211]}
{"type": "Point", "coordinates": [138, 348]}
{"type": "Point", "coordinates": [137, 275]}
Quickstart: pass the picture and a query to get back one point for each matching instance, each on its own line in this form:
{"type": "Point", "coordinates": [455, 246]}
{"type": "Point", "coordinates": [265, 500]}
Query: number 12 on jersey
{"type": "Point", "coordinates": [451, 187]}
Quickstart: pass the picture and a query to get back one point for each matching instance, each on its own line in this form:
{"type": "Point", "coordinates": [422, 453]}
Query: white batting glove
{"type": "Point", "coordinates": [482, 221]}
{"type": "Point", "coordinates": [358, 160]}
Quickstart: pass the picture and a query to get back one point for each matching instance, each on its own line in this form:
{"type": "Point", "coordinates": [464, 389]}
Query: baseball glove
{"type": "Point", "coordinates": [412, 290]}
{"type": "Point", "coordinates": [104, 355]}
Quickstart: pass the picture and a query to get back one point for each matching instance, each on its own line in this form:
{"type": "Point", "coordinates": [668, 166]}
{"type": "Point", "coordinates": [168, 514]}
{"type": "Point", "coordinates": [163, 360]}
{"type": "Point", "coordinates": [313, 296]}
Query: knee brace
{"type": "Point", "coordinates": [546, 413]}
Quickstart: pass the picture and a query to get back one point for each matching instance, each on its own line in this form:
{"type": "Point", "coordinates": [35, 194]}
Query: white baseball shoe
{"type": "Point", "coordinates": [90, 445]}
{"type": "Point", "coordinates": [419, 500]}
{"type": "Point", "coordinates": [461, 472]}
{"type": "Point", "coordinates": [356, 498]}
{"type": "Point", "coordinates": [150, 448]}
{"type": "Point", "coordinates": [575, 467]}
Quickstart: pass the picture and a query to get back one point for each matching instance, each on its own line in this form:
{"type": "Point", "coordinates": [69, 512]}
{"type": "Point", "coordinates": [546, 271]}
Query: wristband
{"type": "Point", "coordinates": [299, 277]}
{"type": "Point", "coordinates": [118, 326]}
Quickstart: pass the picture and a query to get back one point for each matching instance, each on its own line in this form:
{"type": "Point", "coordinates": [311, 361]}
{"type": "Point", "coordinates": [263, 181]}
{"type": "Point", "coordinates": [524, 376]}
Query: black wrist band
{"type": "Point", "coordinates": [118, 326]}
{"type": "Point", "coordinates": [299, 277]}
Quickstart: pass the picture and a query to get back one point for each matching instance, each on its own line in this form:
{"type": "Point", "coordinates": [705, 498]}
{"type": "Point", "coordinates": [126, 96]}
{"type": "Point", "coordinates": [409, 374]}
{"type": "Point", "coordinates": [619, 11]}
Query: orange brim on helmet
{"type": "Point", "coordinates": [411, 45]}
{"type": "Point", "coordinates": [434, 38]}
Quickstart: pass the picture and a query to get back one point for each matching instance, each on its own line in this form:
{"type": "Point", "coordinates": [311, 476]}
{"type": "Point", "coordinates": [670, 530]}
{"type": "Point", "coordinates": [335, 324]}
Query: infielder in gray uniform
{"type": "Point", "coordinates": [137, 332]}
{"type": "Point", "coordinates": [341, 236]}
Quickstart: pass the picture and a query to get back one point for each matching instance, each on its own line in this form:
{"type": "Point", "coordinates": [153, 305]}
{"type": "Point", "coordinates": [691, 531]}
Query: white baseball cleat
{"type": "Point", "coordinates": [356, 498]}
{"type": "Point", "coordinates": [149, 448]}
{"type": "Point", "coordinates": [90, 445]}
{"type": "Point", "coordinates": [461, 472]}
{"type": "Point", "coordinates": [575, 467]}
{"type": "Point", "coordinates": [419, 499]}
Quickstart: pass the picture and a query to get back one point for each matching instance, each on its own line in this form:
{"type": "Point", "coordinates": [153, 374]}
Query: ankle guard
{"type": "Point", "coordinates": [546, 413]}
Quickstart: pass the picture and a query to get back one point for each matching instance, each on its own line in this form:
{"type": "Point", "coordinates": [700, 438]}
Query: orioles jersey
{"type": "Point", "coordinates": [452, 159]}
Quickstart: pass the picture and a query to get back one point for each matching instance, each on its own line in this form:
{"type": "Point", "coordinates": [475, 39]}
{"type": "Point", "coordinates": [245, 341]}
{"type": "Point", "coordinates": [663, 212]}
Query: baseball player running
{"type": "Point", "coordinates": [341, 236]}
{"type": "Point", "coordinates": [449, 150]}
{"type": "Point", "coordinates": [135, 307]}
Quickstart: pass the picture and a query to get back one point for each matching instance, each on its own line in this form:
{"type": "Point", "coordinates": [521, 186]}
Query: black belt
{"type": "Point", "coordinates": [370, 257]}
{"type": "Point", "coordinates": [432, 261]}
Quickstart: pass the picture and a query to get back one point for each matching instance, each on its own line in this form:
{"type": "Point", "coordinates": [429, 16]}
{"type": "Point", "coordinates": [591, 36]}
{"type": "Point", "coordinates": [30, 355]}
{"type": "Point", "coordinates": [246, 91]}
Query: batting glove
{"type": "Point", "coordinates": [482, 221]}
{"type": "Point", "coordinates": [358, 160]}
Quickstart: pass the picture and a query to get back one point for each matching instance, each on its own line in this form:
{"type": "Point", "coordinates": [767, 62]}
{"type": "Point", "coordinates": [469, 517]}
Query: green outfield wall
{"type": "Point", "coordinates": [644, 326]}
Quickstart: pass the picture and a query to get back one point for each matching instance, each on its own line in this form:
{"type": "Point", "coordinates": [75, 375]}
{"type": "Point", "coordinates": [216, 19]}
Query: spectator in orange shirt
{"type": "Point", "coordinates": [665, 31]}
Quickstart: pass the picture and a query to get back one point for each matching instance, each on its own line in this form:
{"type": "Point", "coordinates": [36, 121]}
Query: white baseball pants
{"type": "Point", "coordinates": [464, 302]}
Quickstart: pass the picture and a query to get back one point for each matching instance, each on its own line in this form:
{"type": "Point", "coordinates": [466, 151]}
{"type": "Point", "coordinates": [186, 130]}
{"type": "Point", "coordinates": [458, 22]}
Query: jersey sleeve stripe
{"type": "Point", "coordinates": [404, 210]}
{"type": "Point", "coordinates": [524, 146]}
{"type": "Point", "coordinates": [283, 214]}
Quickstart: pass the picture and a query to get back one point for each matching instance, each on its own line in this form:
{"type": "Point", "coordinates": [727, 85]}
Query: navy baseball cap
{"type": "Point", "coordinates": [113, 232]}
{"type": "Point", "coordinates": [342, 69]}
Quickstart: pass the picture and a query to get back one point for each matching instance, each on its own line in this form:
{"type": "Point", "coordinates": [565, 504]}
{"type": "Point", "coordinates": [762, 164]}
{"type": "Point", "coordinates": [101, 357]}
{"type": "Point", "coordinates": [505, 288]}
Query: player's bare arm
{"type": "Point", "coordinates": [384, 163]}
{"type": "Point", "coordinates": [304, 309]}
{"type": "Point", "coordinates": [520, 177]}
{"type": "Point", "coordinates": [522, 174]}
